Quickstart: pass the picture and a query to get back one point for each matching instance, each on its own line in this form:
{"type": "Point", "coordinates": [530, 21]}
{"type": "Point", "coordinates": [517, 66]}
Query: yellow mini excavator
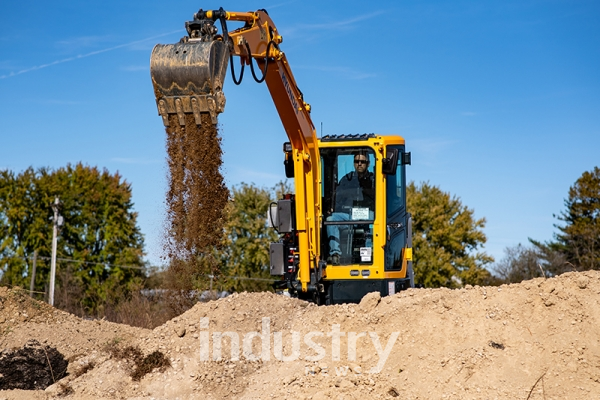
{"type": "Point", "coordinates": [345, 231]}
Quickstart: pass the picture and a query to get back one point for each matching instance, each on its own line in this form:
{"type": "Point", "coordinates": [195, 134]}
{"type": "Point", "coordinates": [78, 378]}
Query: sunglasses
{"type": "Point", "coordinates": [360, 161]}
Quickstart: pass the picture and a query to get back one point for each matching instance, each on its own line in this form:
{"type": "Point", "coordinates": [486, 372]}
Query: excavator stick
{"type": "Point", "coordinates": [188, 78]}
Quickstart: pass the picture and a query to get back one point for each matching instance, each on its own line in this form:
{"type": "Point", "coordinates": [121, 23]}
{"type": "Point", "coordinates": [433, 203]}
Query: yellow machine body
{"type": "Point", "coordinates": [188, 78]}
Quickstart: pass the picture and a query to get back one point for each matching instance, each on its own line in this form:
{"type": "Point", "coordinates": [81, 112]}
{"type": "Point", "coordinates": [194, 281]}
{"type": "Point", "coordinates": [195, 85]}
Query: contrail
{"type": "Point", "coordinates": [93, 53]}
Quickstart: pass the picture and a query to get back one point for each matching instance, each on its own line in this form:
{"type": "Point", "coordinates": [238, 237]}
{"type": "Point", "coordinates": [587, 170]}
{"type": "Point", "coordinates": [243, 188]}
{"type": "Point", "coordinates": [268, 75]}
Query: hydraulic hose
{"type": "Point", "coordinates": [261, 80]}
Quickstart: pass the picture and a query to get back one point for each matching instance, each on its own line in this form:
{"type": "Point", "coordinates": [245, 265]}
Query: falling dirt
{"type": "Point", "coordinates": [534, 340]}
{"type": "Point", "coordinates": [196, 197]}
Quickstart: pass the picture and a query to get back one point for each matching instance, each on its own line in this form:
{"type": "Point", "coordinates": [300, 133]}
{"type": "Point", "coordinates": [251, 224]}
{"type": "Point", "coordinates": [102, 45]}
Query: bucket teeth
{"type": "Point", "coordinates": [162, 110]}
{"type": "Point", "coordinates": [196, 110]}
{"type": "Point", "coordinates": [212, 110]}
{"type": "Point", "coordinates": [220, 99]}
{"type": "Point", "coordinates": [180, 113]}
{"type": "Point", "coordinates": [196, 105]}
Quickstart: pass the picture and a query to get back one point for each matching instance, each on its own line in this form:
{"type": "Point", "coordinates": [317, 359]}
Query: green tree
{"type": "Point", "coordinates": [579, 237]}
{"type": "Point", "coordinates": [247, 236]}
{"type": "Point", "coordinates": [99, 230]}
{"type": "Point", "coordinates": [245, 255]}
{"type": "Point", "coordinates": [446, 238]}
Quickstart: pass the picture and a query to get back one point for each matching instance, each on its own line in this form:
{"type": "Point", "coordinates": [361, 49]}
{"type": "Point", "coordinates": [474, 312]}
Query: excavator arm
{"type": "Point", "coordinates": [188, 78]}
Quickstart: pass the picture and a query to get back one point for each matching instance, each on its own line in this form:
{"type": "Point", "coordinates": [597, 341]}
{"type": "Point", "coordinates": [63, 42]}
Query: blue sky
{"type": "Point", "coordinates": [499, 102]}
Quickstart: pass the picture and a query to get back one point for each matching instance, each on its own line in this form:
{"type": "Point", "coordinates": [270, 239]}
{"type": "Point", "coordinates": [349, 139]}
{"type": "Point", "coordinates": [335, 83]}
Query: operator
{"type": "Point", "coordinates": [356, 188]}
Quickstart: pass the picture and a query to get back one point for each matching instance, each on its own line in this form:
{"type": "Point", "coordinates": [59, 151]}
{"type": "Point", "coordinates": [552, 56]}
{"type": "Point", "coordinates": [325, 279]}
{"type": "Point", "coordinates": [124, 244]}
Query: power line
{"type": "Point", "coordinates": [18, 287]}
{"type": "Point", "coordinates": [82, 262]}
{"type": "Point", "coordinates": [243, 278]}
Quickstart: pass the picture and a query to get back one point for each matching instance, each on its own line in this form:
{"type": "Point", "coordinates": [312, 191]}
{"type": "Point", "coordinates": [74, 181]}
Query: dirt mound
{"type": "Point", "coordinates": [534, 340]}
{"type": "Point", "coordinates": [16, 306]}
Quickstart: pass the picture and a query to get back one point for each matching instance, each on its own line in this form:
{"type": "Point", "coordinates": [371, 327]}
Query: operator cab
{"type": "Point", "coordinates": [349, 208]}
{"type": "Point", "coordinates": [365, 229]}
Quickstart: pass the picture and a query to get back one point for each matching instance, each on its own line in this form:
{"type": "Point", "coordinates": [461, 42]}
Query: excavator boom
{"type": "Point", "coordinates": [188, 78]}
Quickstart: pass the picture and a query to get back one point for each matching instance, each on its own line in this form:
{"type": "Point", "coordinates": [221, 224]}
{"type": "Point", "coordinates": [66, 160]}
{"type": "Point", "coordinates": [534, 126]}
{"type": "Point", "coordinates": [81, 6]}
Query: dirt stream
{"type": "Point", "coordinates": [196, 197]}
{"type": "Point", "coordinates": [536, 340]}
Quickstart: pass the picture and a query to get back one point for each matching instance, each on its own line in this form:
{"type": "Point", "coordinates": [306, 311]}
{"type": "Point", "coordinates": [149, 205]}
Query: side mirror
{"type": "Point", "coordinates": [390, 163]}
{"type": "Point", "coordinates": [406, 158]}
{"type": "Point", "coordinates": [289, 161]}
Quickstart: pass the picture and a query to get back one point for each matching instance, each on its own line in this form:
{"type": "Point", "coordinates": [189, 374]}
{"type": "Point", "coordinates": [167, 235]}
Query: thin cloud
{"type": "Point", "coordinates": [93, 53]}
{"type": "Point", "coordinates": [7, 64]}
{"type": "Point", "coordinates": [344, 23]}
{"type": "Point", "coordinates": [136, 68]}
{"type": "Point", "coordinates": [280, 5]}
{"type": "Point", "coordinates": [468, 113]}
{"type": "Point", "coordinates": [81, 42]}
{"type": "Point", "coordinates": [334, 25]}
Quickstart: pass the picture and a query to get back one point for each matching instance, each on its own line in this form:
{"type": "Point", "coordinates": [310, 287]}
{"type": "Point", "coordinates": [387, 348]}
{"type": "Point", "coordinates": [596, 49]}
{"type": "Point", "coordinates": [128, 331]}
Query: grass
{"type": "Point", "coordinates": [141, 365]}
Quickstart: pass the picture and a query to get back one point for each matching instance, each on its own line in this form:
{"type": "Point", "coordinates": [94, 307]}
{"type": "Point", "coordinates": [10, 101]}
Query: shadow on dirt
{"type": "Point", "coordinates": [33, 367]}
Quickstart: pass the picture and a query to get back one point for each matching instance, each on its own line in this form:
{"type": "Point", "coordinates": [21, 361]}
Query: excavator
{"type": "Point", "coordinates": [332, 248]}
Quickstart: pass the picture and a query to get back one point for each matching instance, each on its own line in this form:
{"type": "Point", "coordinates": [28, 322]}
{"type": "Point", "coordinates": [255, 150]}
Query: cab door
{"type": "Point", "coordinates": [396, 214]}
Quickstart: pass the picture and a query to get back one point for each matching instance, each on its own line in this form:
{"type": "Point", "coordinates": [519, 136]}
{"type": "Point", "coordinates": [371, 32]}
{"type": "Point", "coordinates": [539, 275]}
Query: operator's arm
{"type": "Point", "coordinates": [340, 197]}
{"type": "Point", "coordinates": [343, 193]}
{"type": "Point", "coordinates": [368, 189]}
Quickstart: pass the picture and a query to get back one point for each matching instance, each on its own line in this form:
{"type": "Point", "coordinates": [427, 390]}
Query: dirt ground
{"type": "Point", "coordinates": [534, 340]}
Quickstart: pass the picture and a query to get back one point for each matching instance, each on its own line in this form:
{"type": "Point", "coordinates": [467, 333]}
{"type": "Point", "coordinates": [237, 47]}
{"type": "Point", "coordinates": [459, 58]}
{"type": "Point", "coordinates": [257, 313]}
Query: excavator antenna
{"type": "Point", "coordinates": [188, 76]}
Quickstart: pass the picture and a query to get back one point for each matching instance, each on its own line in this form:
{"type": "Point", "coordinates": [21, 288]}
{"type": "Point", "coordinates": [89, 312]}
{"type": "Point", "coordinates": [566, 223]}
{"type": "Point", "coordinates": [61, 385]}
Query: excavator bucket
{"type": "Point", "coordinates": [188, 78]}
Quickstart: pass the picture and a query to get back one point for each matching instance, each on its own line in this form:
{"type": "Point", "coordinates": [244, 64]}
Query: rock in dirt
{"type": "Point", "coordinates": [370, 301]}
{"type": "Point", "coordinates": [180, 331]}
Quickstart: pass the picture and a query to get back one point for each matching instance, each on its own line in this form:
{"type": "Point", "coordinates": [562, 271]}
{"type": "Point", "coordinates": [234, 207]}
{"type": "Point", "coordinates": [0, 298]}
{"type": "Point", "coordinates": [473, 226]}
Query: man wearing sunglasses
{"type": "Point", "coordinates": [354, 189]}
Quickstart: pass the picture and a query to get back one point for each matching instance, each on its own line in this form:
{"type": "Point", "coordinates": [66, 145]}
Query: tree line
{"type": "Point", "coordinates": [100, 231]}
{"type": "Point", "coordinates": [576, 245]}
{"type": "Point", "coordinates": [448, 240]}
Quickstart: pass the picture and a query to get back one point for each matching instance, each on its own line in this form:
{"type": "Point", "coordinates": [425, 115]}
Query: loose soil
{"type": "Point", "coordinates": [32, 367]}
{"type": "Point", "coordinates": [196, 198]}
{"type": "Point", "coordinates": [533, 340]}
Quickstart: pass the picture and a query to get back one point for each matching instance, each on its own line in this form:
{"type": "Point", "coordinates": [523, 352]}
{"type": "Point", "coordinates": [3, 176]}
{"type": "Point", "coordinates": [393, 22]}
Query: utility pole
{"type": "Point", "coordinates": [32, 284]}
{"type": "Point", "coordinates": [57, 221]}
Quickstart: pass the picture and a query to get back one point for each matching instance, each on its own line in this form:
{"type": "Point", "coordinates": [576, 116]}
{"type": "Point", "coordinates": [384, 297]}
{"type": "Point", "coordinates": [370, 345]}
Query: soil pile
{"type": "Point", "coordinates": [32, 367]}
{"type": "Point", "coordinates": [196, 197]}
{"type": "Point", "coordinates": [534, 340]}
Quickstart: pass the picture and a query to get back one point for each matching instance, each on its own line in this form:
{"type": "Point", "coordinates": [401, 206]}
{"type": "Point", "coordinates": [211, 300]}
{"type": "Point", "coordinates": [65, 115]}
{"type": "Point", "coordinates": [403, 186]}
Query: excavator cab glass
{"type": "Point", "coordinates": [349, 204]}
